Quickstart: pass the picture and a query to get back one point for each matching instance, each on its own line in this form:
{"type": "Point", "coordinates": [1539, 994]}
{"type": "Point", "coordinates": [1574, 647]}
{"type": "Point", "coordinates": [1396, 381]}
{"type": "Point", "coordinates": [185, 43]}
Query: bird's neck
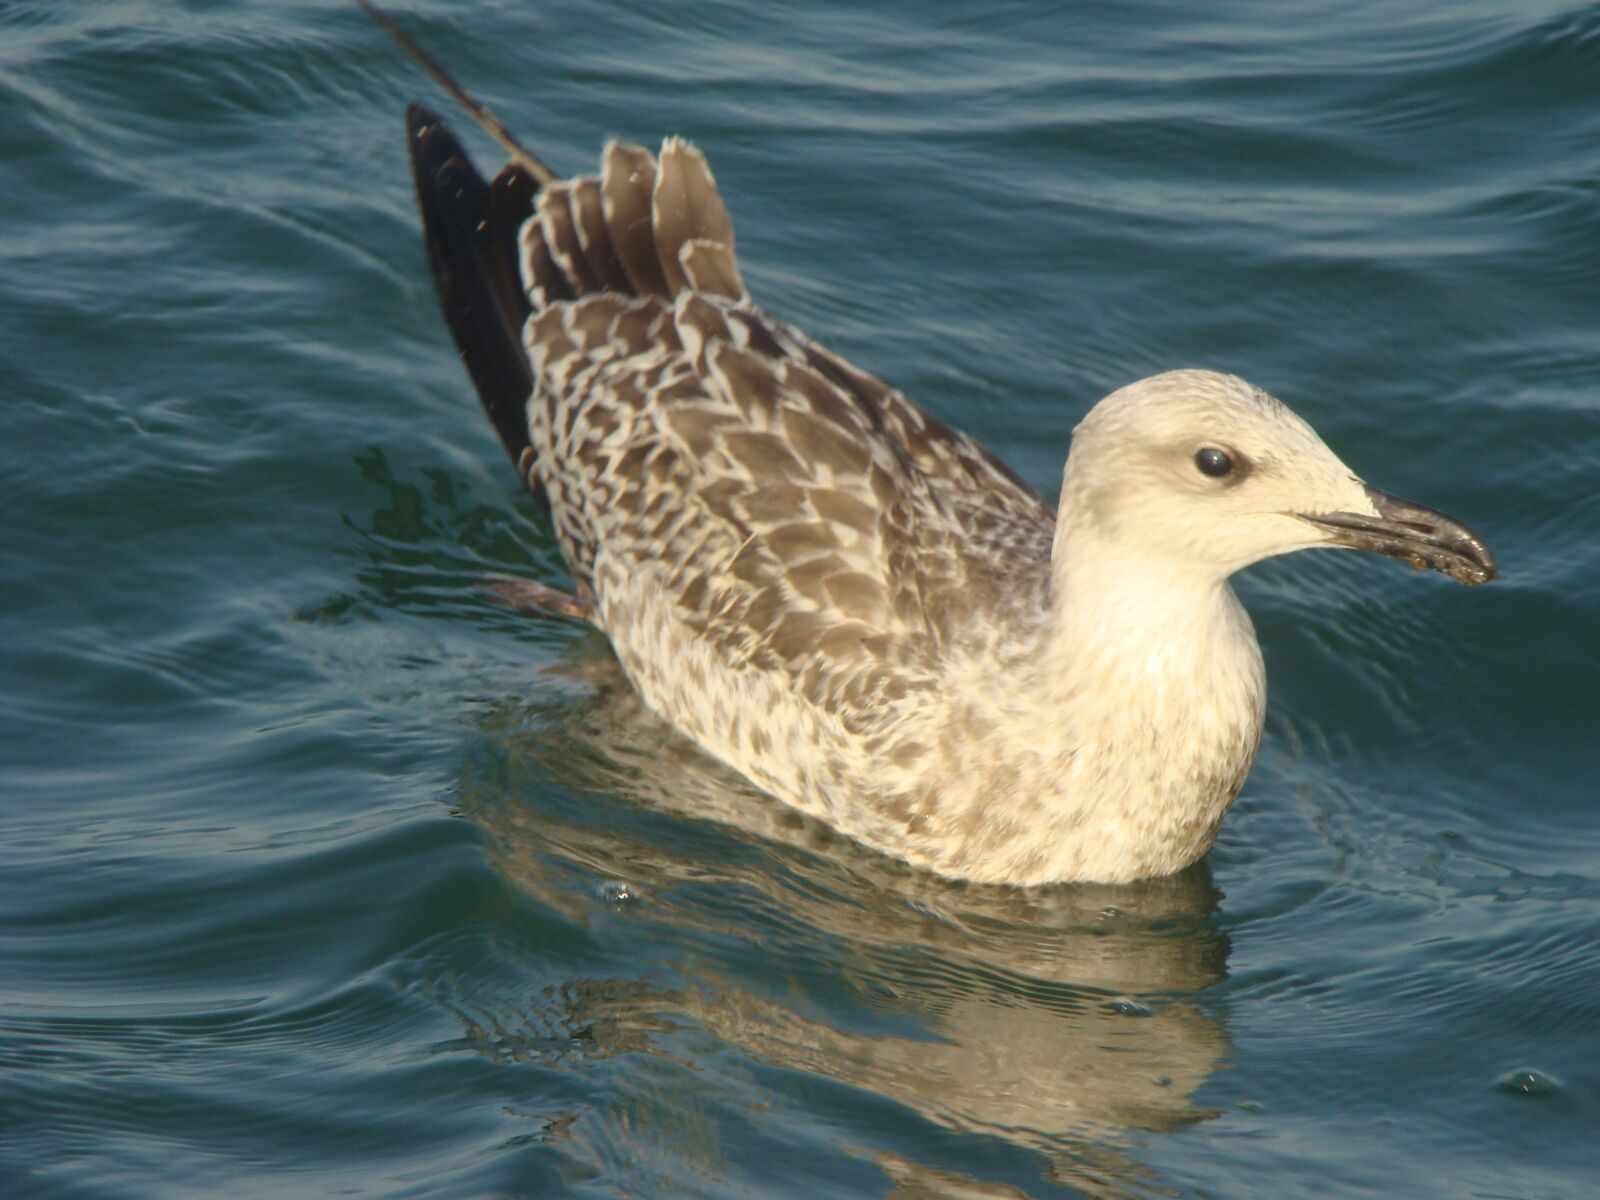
{"type": "Point", "coordinates": [1156, 674]}
{"type": "Point", "coordinates": [1118, 615]}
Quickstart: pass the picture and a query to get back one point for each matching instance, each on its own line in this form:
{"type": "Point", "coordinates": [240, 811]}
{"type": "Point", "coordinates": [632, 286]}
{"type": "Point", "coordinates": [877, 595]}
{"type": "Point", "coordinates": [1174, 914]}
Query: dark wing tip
{"type": "Point", "coordinates": [471, 234]}
{"type": "Point", "coordinates": [419, 117]}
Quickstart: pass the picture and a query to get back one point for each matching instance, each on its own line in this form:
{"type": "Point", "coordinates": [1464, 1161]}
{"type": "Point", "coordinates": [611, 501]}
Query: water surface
{"type": "Point", "coordinates": [324, 875]}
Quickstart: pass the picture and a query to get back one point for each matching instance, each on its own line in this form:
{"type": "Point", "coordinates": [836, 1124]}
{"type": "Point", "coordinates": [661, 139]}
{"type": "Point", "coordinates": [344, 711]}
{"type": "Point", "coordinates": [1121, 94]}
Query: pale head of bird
{"type": "Point", "coordinates": [1205, 474]}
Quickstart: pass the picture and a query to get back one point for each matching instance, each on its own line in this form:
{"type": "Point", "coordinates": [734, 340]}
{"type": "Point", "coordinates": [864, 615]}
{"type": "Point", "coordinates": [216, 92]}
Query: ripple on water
{"type": "Point", "coordinates": [323, 874]}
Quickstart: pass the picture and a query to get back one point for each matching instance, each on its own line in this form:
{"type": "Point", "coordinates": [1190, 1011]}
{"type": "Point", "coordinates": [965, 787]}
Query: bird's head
{"type": "Point", "coordinates": [1206, 472]}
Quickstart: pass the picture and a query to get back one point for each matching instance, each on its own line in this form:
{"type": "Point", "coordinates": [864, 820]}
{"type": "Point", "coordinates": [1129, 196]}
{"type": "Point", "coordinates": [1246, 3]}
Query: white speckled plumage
{"type": "Point", "coordinates": [854, 605]}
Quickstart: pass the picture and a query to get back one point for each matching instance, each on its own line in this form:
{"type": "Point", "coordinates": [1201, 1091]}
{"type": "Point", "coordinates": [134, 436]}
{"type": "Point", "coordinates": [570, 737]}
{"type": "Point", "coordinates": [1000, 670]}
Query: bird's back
{"type": "Point", "coordinates": [748, 514]}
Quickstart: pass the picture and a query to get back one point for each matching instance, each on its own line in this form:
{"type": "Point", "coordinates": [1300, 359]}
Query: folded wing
{"type": "Point", "coordinates": [796, 512]}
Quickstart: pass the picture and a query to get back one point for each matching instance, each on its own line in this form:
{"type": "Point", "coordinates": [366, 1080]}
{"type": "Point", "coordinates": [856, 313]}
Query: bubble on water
{"type": "Point", "coordinates": [617, 892]}
{"type": "Point", "coordinates": [1527, 1081]}
{"type": "Point", "coordinates": [1129, 1007]}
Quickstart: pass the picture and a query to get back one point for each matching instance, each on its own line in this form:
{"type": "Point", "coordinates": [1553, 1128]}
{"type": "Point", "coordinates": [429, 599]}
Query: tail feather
{"type": "Point", "coordinates": [501, 251]}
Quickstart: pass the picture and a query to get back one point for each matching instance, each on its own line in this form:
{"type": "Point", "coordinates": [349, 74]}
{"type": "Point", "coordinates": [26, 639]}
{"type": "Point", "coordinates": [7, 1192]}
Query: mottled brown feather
{"type": "Point", "coordinates": [627, 181]}
{"type": "Point", "coordinates": [561, 236]}
{"type": "Point", "coordinates": [710, 268]}
{"type": "Point", "coordinates": [685, 207]}
{"type": "Point", "coordinates": [594, 236]}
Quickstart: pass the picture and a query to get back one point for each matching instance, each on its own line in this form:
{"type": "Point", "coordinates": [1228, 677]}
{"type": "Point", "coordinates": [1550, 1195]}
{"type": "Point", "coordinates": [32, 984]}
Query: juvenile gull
{"type": "Point", "coordinates": [856, 606]}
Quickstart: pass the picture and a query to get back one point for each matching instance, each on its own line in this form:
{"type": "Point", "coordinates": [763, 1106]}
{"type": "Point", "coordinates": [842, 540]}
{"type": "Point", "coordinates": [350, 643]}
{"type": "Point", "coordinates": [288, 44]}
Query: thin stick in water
{"type": "Point", "coordinates": [479, 111]}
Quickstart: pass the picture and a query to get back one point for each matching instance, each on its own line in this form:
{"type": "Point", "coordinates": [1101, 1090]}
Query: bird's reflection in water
{"type": "Point", "coordinates": [1064, 1019]}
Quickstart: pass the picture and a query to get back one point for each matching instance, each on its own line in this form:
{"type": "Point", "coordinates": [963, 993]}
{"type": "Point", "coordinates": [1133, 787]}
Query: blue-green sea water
{"type": "Point", "coordinates": [323, 874]}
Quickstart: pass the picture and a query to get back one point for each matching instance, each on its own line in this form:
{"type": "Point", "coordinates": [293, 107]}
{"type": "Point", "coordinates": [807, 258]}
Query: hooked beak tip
{"type": "Point", "coordinates": [1422, 536]}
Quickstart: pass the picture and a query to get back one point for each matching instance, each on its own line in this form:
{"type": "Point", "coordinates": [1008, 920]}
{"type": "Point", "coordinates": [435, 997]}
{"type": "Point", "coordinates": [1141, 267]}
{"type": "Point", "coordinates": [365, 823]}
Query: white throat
{"type": "Point", "coordinates": [1154, 669]}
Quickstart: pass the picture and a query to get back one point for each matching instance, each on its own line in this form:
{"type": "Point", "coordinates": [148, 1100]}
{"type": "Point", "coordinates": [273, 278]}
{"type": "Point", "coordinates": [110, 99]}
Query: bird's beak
{"type": "Point", "coordinates": [1422, 536]}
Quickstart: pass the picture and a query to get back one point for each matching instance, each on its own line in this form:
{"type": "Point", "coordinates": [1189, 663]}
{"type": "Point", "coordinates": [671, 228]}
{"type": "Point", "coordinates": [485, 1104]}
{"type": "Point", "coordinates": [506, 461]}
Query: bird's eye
{"type": "Point", "coordinates": [1213, 462]}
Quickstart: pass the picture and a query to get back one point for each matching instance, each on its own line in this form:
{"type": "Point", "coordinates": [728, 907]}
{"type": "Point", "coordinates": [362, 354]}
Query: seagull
{"type": "Point", "coordinates": [854, 605]}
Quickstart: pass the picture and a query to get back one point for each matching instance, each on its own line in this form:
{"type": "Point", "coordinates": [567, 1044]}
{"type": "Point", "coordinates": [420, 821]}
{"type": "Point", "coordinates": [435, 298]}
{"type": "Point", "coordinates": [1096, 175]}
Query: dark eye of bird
{"type": "Point", "coordinates": [1213, 462]}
